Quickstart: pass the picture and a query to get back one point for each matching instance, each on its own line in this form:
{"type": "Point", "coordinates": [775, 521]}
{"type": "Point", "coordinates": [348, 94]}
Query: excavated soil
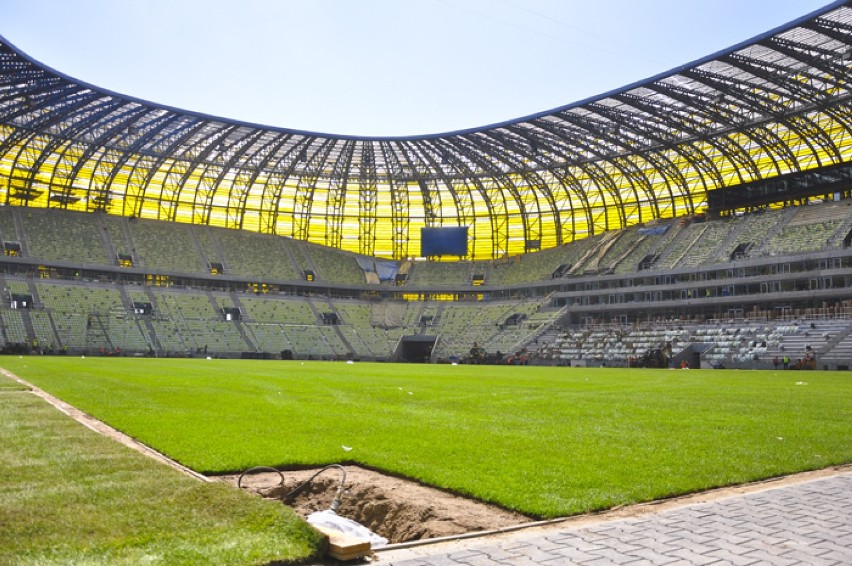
{"type": "Point", "coordinates": [397, 509]}
{"type": "Point", "coordinates": [404, 511]}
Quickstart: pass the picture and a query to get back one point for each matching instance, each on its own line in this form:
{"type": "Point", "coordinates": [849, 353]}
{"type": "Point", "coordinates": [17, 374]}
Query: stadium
{"type": "Point", "coordinates": [700, 218]}
{"type": "Point", "coordinates": [654, 214]}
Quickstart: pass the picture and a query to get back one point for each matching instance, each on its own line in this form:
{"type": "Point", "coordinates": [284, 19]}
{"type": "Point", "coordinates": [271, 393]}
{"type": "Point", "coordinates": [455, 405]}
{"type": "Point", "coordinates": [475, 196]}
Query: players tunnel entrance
{"type": "Point", "coordinates": [417, 348]}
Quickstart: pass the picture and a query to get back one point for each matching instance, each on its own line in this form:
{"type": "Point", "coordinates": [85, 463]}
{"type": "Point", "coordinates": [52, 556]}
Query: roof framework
{"type": "Point", "coordinates": [775, 105]}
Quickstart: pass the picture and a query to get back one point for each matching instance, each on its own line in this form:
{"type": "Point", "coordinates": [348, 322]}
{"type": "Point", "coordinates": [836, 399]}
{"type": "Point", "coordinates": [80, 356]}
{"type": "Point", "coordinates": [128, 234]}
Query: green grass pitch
{"type": "Point", "coordinates": [543, 441]}
{"type": "Point", "coordinates": [71, 496]}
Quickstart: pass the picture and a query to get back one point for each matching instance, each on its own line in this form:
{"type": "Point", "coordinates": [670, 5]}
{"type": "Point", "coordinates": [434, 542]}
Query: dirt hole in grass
{"type": "Point", "coordinates": [397, 509]}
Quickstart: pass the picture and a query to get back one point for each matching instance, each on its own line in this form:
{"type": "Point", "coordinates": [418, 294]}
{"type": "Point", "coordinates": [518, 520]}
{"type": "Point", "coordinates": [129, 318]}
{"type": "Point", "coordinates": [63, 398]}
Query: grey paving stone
{"type": "Point", "coordinates": [841, 557]}
{"type": "Point", "coordinates": [545, 543]}
{"type": "Point", "coordinates": [537, 554]}
{"type": "Point", "coordinates": [438, 561]}
{"type": "Point", "coordinates": [804, 524]}
{"type": "Point", "coordinates": [466, 553]}
{"type": "Point", "coordinates": [485, 559]}
{"type": "Point", "coordinates": [764, 557]}
{"type": "Point", "coordinates": [833, 546]}
{"type": "Point", "coordinates": [572, 540]}
{"type": "Point", "coordinates": [667, 547]}
{"type": "Point", "coordinates": [501, 554]}
{"type": "Point", "coordinates": [694, 558]}
{"type": "Point", "coordinates": [576, 556]}
{"type": "Point", "coordinates": [604, 561]}
{"type": "Point", "coordinates": [725, 556]}
{"type": "Point", "coordinates": [804, 558]}
{"type": "Point", "coordinates": [527, 561]}
{"type": "Point", "coordinates": [725, 546]}
{"type": "Point", "coordinates": [616, 556]}
{"type": "Point", "coordinates": [652, 556]}
{"type": "Point", "coordinates": [512, 544]}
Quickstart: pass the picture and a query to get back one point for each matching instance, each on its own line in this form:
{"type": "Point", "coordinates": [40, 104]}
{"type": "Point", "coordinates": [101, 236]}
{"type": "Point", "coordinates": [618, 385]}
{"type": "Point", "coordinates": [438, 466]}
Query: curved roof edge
{"type": "Point", "coordinates": [308, 133]}
{"type": "Point", "coordinates": [674, 70]}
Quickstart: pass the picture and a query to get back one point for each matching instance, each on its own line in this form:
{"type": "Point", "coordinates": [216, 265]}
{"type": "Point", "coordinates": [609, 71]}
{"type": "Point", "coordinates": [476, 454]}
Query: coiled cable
{"type": "Point", "coordinates": [338, 496]}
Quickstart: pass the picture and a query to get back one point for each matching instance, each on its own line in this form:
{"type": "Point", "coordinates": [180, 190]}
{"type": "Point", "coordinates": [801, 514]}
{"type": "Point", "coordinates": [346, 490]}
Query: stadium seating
{"type": "Point", "coordinates": [366, 340]}
{"type": "Point", "coordinates": [800, 238]}
{"type": "Point", "coordinates": [83, 316]}
{"type": "Point", "coordinates": [97, 315]}
{"type": "Point", "coordinates": [274, 310]}
{"type": "Point", "coordinates": [650, 244]}
{"type": "Point", "coordinates": [256, 256]}
{"type": "Point", "coordinates": [723, 343]}
{"type": "Point", "coordinates": [315, 342]}
{"type": "Point", "coordinates": [440, 273]}
{"type": "Point", "coordinates": [91, 317]}
{"type": "Point", "coordinates": [542, 265]}
{"type": "Point", "coordinates": [120, 237]}
{"type": "Point", "coordinates": [208, 243]}
{"type": "Point", "coordinates": [13, 327]}
{"type": "Point", "coordinates": [43, 329]}
{"type": "Point", "coordinates": [166, 247]}
{"type": "Point", "coordinates": [268, 337]}
{"type": "Point", "coordinates": [8, 233]}
{"type": "Point", "coordinates": [85, 239]}
{"type": "Point", "coordinates": [699, 245]}
{"type": "Point", "coordinates": [331, 265]}
{"type": "Point", "coordinates": [748, 231]}
{"type": "Point", "coordinates": [193, 324]}
{"type": "Point", "coordinates": [69, 237]}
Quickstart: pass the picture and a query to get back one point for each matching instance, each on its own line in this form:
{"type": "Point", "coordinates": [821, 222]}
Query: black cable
{"type": "Point", "coordinates": [257, 469]}
{"type": "Point", "coordinates": [337, 496]}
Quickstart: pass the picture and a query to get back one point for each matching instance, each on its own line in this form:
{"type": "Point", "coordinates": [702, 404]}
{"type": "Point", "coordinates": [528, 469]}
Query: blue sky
{"type": "Point", "coordinates": [378, 67]}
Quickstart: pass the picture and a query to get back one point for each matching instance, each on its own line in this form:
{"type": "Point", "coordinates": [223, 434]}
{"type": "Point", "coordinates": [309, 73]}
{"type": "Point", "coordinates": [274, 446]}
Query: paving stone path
{"type": "Point", "coordinates": [808, 523]}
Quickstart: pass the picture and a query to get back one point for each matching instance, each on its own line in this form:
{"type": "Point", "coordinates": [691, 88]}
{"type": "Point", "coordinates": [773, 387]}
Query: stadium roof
{"type": "Point", "coordinates": [777, 104]}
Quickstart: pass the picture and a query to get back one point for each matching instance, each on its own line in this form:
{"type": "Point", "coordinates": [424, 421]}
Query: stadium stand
{"type": "Point", "coordinates": [440, 273]}
{"type": "Point", "coordinates": [164, 247]}
{"type": "Point", "coordinates": [331, 265]}
{"type": "Point", "coordinates": [14, 331]}
{"type": "Point", "coordinates": [809, 229]}
{"type": "Point", "coordinates": [73, 237]}
{"type": "Point", "coordinates": [7, 225]}
{"type": "Point", "coordinates": [261, 309]}
{"type": "Point", "coordinates": [211, 248]}
{"type": "Point", "coordinates": [256, 256]}
{"type": "Point", "coordinates": [120, 239]}
{"type": "Point", "coordinates": [82, 314]}
{"type": "Point", "coordinates": [541, 265]}
{"type": "Point", "coordinates": [702, 244]}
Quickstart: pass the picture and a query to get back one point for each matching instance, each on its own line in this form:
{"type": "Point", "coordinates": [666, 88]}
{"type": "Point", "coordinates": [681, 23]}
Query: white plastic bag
{"type": "Point", "coordinates": [331, 520]}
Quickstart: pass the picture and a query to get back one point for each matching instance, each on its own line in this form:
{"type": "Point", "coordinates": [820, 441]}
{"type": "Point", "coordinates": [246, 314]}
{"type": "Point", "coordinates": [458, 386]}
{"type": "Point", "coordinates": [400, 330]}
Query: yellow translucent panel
{"type": "Point", "coordinates": [548, 207]}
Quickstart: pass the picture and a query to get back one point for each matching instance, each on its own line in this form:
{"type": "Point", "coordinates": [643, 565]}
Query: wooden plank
{"type": "Point", "coordinates": [344, 547]}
